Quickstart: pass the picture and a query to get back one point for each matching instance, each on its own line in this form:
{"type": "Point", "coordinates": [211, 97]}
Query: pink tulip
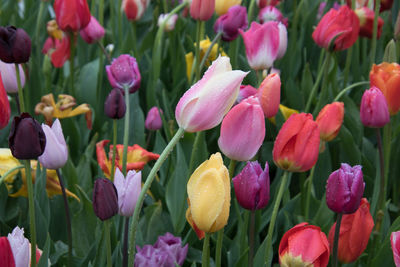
{"type": "Point", "coordinates": [243, 130]}
{"type": "Point", "coordinates": [153, 120]}
{"type": "Point", "coordinates": [244, 92]}
{"type": "Point", "coordinates": [269, 95]}
{"type": "Point", "coordinates": [92, 32]}
{"type": "Point", "coordinates": [9, 76]}
{"type": "Point", "coordinates": [395, 242]}
{"type": "Point", "coordinates": [169, 24]}
{"type": "Point", "coordinates": [271, 13]}
{"type": "Point", "coordinates": [374, 111]}
{"type": "Point", "coordinates": [202, 9]}
{"type": "Point", "coordinates": [204, 105]}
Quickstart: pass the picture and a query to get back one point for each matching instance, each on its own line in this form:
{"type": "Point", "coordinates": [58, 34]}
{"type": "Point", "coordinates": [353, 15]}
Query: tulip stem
{"type": "Point", "coordinates": [126, 130]}
{"type": "Point", "coordinates": [251, 9]}
{"type": "Point", "coordinates": [114, 152]}
{"type": "Point", "coordinates": [72, 64]}
{"type": "Point", "coordinates": [348, 88]}
{"type": "Point", "coordinates": [198, 39]}
{"type": "Point", "coordinates": [271, 227]}
{"type": "Point", "coordinates": [251, 236]}
{"type": "Point", "coordinates": [134, 39]}
{"type": "Point", "coordinates": [146, 187]}
{"type": "Point", "coordinates": [308, 196]}
{"type": "Point", "coordinates": [108, 242]}
{"type": "Point", "coordinates": [375, 31]}
{"type": "Point", "coordinates": [348, 65]}
{"type": "Point", "coordinates": [21, 102]}
{"type": "Point", "coordinates": [119, 14]}
{"type": "Point", "coordinates": [381, 200]}
{"type": "Point", "coordinates": [205, 260]}
{"type": "Point", "coordinates": [336, 240]}
{"type": "Point", "coordinates": [233, 52]}
{"type": "Point", "coordinates": [218, 248]}
{"type": "Point", "coordinates": [214, 41]}
{"type": "Point", "coordinates": [125, 248]}
{"type": "Point", "coordinates": [31, 202]}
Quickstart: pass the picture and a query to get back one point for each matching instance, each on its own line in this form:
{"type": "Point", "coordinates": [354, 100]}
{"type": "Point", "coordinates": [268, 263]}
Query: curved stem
{"type": "Point", "coordinates": [108, 242]}
{"type": "Point", "coordinates": [381, 201]}
{"type": "Point", "coordinates": [214, 41]}
{"type": "Point", "coordinates": [205, 260]}
{"type": "Point", "coordinates": [375, 31]}
{"type": "Point", "coordinates": [114, 150]}
{"type": "Point", "coordinates": [31, 201]}
{"type": "Point", "coordinates": [348, 88]}
{"type": "Point", "coordinates": [146, 187]}
{"type": "Point", "coordinates": [126, 130]}
{"type": "Point", "coordinates": [20, 92]}
{"type": "Point", "coordinates": [336, 240]}
{"type": "Point", "coordinates": [308, 196]}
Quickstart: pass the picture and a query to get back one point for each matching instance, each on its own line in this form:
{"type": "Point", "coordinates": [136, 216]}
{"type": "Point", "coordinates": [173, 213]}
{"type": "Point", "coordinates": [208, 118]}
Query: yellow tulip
{"type": "Point", "coordinates": [286, 112]}
{"type": "Point", "coordinates": [222, 6]}
{"type": "Point", "coordinates": [7, 162]}
{"type": "Point", "coordinates": [209, 196]}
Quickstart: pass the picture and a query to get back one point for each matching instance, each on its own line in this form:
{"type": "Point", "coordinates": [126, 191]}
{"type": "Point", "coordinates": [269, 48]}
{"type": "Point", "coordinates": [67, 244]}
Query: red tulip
{"type": "Point", "coordinates": [72, 15]}
{"type": "Point", "coordinates": [366, 17]}
{"type": "Point", "coordinates": [5, 110]}
{"type": "Point", "coordinates": [59, 51]}
{"type": "Point", "coordinates": [134, 9]}
{"type": "Point", "coordinates": [202, 9]}
{"type": "Point", "coordinates": [330, 120]}
{"type": "Point", "coordinates": [6, 255]}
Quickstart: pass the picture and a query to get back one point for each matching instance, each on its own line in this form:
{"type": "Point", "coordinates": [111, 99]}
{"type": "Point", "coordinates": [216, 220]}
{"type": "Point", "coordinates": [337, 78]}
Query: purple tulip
{"type": "Point", "coordinates": [252, 186]}
{"type": "Point", "coordinates": [105, 199]}
{"type": "Point", "coordinates": [374, 110]}
{"type": "Point", "coordinates": [153, 120]}
{"type": "Point", "coordinates": [115, 106]}
{"type": "Point", "coordinates": [124, 71]}
{"type": "Point", "coordinates": [230, 23]}
{"type": "Point", "coordinates": [128, 191]}
{"type": "Point", "coordinates": [345, 188]}
{"type": "Point", "coordinates": [15, 45]}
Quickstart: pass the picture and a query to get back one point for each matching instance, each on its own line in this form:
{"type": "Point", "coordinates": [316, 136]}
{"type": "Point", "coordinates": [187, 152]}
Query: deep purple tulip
{"type": "Point", "coordinates": [230, 23]}
{"type": "Point", "coordinates": [105, 199]}
{"type": "Point", "coordinates": [374, 110]}
{"type": "Point", "coordinates": [115, 106]}
{"type": "Point", "coordinates": [27, 139]}
{"type": "Point", "coordinates": [15, 45]}
{"type": "Point", "coordinates": [252, 186]}
{"type": "Point", "coordinates": [345, 188]}
{"type": "Point", "coordinates": [124, 71]}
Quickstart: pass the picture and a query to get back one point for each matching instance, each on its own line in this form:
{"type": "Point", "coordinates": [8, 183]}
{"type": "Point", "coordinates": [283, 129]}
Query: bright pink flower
{"type": "Point", "coordinates": [269, 13]}
{"type": "Point", "coordinates": [59, 51]}
{"type": "Point", "coordinates": [245, 91]}
{"type": "Point", "coordinates": [153, 119]}
{"type": "Point", "coordinates": [202, 9]}
{"type": "Point", "coordinates": [374, 111]}
{"type": "Point", "coordinates": [134, 9]}
{"type": "Point", "coordinates": [269, 95]}
{"type": "Point", "coordinates": [93, 31]}
{"type": "Point", "coordinates": [243, 130]}
{"type": "Point", "coordinates": [395, 242]}
{"type": "Point", "coordinates": [5, 110]}
{"type": "Point", "coordinates": [366, 17]}
{"type": "Point", "coordinates": [72, 15]}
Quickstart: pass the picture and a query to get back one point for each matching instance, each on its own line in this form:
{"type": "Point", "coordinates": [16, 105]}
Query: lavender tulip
{"type": "Point", "coordinates": [20, 247]}
{"type": "Point", "coordinates": [124, 71]}
{"type": "Point", "coordinates": [128, 191]}
{"type": "Point", "coordinates": [230, 23]}
{"type": "Point", "coordinates": [9, 77]}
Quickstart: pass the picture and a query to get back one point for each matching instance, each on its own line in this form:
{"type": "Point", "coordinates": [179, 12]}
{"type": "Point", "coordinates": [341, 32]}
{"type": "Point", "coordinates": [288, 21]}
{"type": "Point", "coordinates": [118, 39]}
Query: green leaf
{"type": "Point", "coordinates": [44, 258]}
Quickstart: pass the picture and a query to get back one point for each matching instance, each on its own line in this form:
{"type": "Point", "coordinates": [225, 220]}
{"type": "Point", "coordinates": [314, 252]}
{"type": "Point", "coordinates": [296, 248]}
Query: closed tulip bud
{"type": "Point", "coordinates": [204, 105]}
{"type": "Point", "coordinates": [222, 6]}
{"type": "Point", "coordinates": [330, 120]}
{"type": "Point", "coordinates": [124, 71]}
{"type": "Point", "coordinates": [355, 230]}
{"type": "Point", "coordinates": [366, 17]}
{"type": "Point", "coordinates": [245, 91]}
{"type": "Point", "coordinates": [55, 153]}
{"type": "Point", "coordinates": [9, 77]}
{"type": "Point", "coordinates": [115, 106]}
{"type": "Point", "coordinates": [15, 45]}
{"type": "Point", "coordinates": [6, 256]}
{"type": "Point", "coordinates": [395, 242]}
{"type": "Point", "coordinates": [105, 199]}
{"type": "Point", "coordinates": [209, 196]}
{"type": "Point", "coordinates": [5, 110]}
{"type": "Point", "coordinates": [374, 111]}
{"type": "Point", "coordinates": [252, 186]}
{"type": "Point", "coordinates": [27, 139]}
{"type": "Point", "coordinates": [72, 15]}
{"type": "Point", "coordinates": [134, 9]}
{"type": "Point", "coordinates": [169, 24]}
{"type": "Point", "coordinates": [128, 191]}
{"type": "Point", "coordinates": [386, 77]}
{"type": "Point", "coordinates": [337, 30]}
{"type": "Point", "coordinates": [304, 245]}
{"type": "Point", "coordinates": [93, 32]}
{"type": "Point", "coordinates": [153, 120]}
{"type": "Point", "coordinates": [230, 23]}
{"type": "Point", "coordinates": [296, 147]}
{"type": "Point", "coordinates": [202, 9]}
{"type": "Point", "coordinates": [243, 130]}
{"type": "Point", "coordinates": [269, 95]}
{"type": "Point", "coordinates": [271, 13]}
{"type": "Point", "coordinates": [344, 189]}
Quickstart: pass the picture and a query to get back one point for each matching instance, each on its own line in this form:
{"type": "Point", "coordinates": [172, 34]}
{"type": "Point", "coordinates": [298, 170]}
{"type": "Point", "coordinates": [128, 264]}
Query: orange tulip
{"type": "Point", "coordinates": [330, 120]}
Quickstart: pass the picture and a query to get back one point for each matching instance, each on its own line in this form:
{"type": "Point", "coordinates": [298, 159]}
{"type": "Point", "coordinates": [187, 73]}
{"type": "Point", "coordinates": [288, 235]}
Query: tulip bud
{"type": "Point", "coordinates": [6, 255]}
{"type": "Point", "coordinates": [395, 242]}
{"type": "Point", "coordinates": [105, 199]}
{"type": "Point", "coordinates": [222, 6]}
{"type": "Point", "coordinates": [124, 71]}
{"type": "Point", "coordinates": [72, 15]}
{"type": "Point", "coordinates": [330, 120]}
{"type": "Point", "coordinates": [55, 153]}
{"type": "Point", "coordinates": [204, 105]}
{"type": "Point", "coordinates": [93, 32]}
{"type": "Point", "coordinates": [304, 245]}
{"type": "Point", "coordinates": [202, 9]}
{"type": "Point", "coordinates": [9, 78]}
{"type": "Point", "coordinates": [269, 95]}
{"type": "Point", "coordinates": [344, 189]}
{"type": "Point", "coordinates": [134, 9]}
{"type": "Point", "coordinates": [153, 120]}
{"type": "Point", "coordinates": [374, 111]}
{"type": "Point", "coordinates": [15, 45]}
{"type": "Point", "coordinates": [230, 23]}
{"type": "Point", "coordinates": [244, 92]}
{"type": "Point", "coordinates": [169, 24]}
{"type": "Point", "coordinates": [355, 230]}
{"type": "Point", "coordinates": [27, 139]}
{"type": "Point", "coordinates": [128, 190]}
{"type": "Point", "coordinates": [5, 110]}
{"type": "Point", "coordinates": [243, 130]}
{"type": "Point", "coordinates": [366, 17]}
{"type": "Point", "coordinates": [115, 106]}
{"type": "Point", "coordinates": [252, 186]}
{"type": "Point", "coordinates": [296, 147]}
{"type": "Point", "coordinates": [271, 13]}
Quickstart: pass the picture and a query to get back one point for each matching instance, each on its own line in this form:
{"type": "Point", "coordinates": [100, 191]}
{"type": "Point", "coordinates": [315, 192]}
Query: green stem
{"type": "Point", "coordinates": [72, 64]}
{"type": "Point", "coordinates": [251, 10]}
{"type": "Point", "coordinates": [381, 198]}
{"type": "Point", "coordinates": [348, 88]}
{"type": "Point", "coordinates": [134, 40]}
{"type": "Point", "coordinates": [308, 195]}
{"type": "Point", "coordinates": [336, 240]}
{"type": "Point", "coordinates": [233, 52]}
{"type": "Point", "coordinates": [146, 187]}
{"type": "Point", "coordinates": [4, 177]}
{"type": "Point", "coordinates": [20, 92]}
{"type": "Point", "coordinates": [218, 248]}
{"type": "Point", "coordinates": [251, 237]}
{"type": "Point", "coordinates": [195, 149]}
{"type": "Point", "coordinates": [324, 90]}
{"type": "Point", "coordinates": [108, 242]}
{"type": "Point", "coordinates": [125, 248]}
{"type": "Point", "coordinates": [198, 39]}
{"type": "Point", "coordinates": [348, 65]}
{"type": "Point", "coordinates": [205, 260]}
{"type": "Point", "coordinates": [31, 202]}
{"type": "Point", "coordinates": [114, 150]}
{"type": "Point", "coordinates": [39, 23]}
{"type": "Point", "coordinates": [126, 130]}
{"type": "Point", "coordinates": [375, 31]}
{"type": "Point", "coordinates": [214, 41]}
{"type": "Point", "coordinates": [119, 14]}
{"type": "Point", "coordinates": [387, 136]}
{"type": "Point", "coordinates": [271, 227]}
{"type": "Point", "coordinates": [232, 165]}
{"type": "Point", "coordinates": [260, 77]}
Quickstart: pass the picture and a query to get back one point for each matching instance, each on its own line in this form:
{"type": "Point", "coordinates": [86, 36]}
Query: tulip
{"type": "Point", "coordinates": [337, 30]}
{"type": "Point", "coordinates": [5, 110]}
{"type": "Point", "coordinates": [243, 130]}
{"type": "Point", "coordinates": [55, 153]}
{"type": "Point", "coordinates": [230, 23]}
{"type": "Point", "coordinates": [283, 39]}
{"type": "Point", "coordinates": [244, 92]}
{"type": "Point", "coordinates": [124, 71]}
{"type": "Point", "coordinates": [355, 230]}
{"type": "Point", "coordinates": [6, 256]}
{"type": "Point", "coordinates": [204, 105]}
{"type": "Point", "coordinates": [93, 32]}
{"type": "Point", "coordinates": [58, 50]}
{"type": "Point", "coordinates": [304, 245]}
{"type": "Point", "coordinates": [296, 147]}
{"type": "Point", "coordinates": [27, 139]}
{"type": "Point", "coordinates": [271, 13]}
{"type": "Point", "coordinates": [115, 106]}
{"type": "Point", "coordinates": [263, 3]}
{"type": "Point", "coordinates": [252, 186]}
{"type": "Point", "coordinates": [9, 78]}
{"type": "Point", "coordinates": [386, 77]}
{"type": "Point", "coordinates": [128, 191]}
{"type": "Point", "coordinates": [222, 6]}
{"type": "Point", "coordinates": [330, 120]}
{"type": "Point", "coordinates": [202, 9]}
{"type": "Point", "coordinates": [134, 9]}
{"type": "Point", "coordinates": [15, 45]}
{"type": "Point", "coordinates": [385, 5]}
{"type": "Point", "coordinates": [366, 17]}
{"type": "Point", "coordinates": [344, 189]}
{"type": "Point", "coordinates": [20, 247]}
{"type": "Point", "coordinates": [269, 95]}
{"type": "Point", "coordinates": [169, 24]}
{"type": "Point", "coordinates": [374, 111]}
{"type": "Point", "coordinates": [72, 15]}
{"type": "Point", "coordinates": [105, 199]}
{"type": "Point", "coordinates": [209, 196]}
{"type": "Point", "coordinates": [153, 120]}
{"type": "Point", "coordinates": [394, 241]}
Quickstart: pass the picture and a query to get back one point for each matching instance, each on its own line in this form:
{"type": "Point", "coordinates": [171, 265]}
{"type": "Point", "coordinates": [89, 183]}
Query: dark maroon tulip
{"type": "Point", "coordinates": [27, 139]}
{"type": "Point", "coordinates": [230, 23]}
{"type": "Point", "coordinates": [345, 188]}
{"type": "Point", "coordinates": [252, 186]}
{"type": "Point", "coordinates": [105, 199]}
{"type": "Point", "coordinates": [15, 45]}
{"type": "Point", "coordinates": [115, 106]}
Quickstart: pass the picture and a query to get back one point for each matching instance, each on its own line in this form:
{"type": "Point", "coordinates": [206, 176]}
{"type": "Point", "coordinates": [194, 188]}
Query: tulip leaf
{"type": "Point", "coordinates": [87, 89]}
{"type": "Point", "coordinates": [44, 258]}
{"type": "Point", "coordinates": [350, 152]}
{"type": "Point", "coordinates": [42, 208]}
